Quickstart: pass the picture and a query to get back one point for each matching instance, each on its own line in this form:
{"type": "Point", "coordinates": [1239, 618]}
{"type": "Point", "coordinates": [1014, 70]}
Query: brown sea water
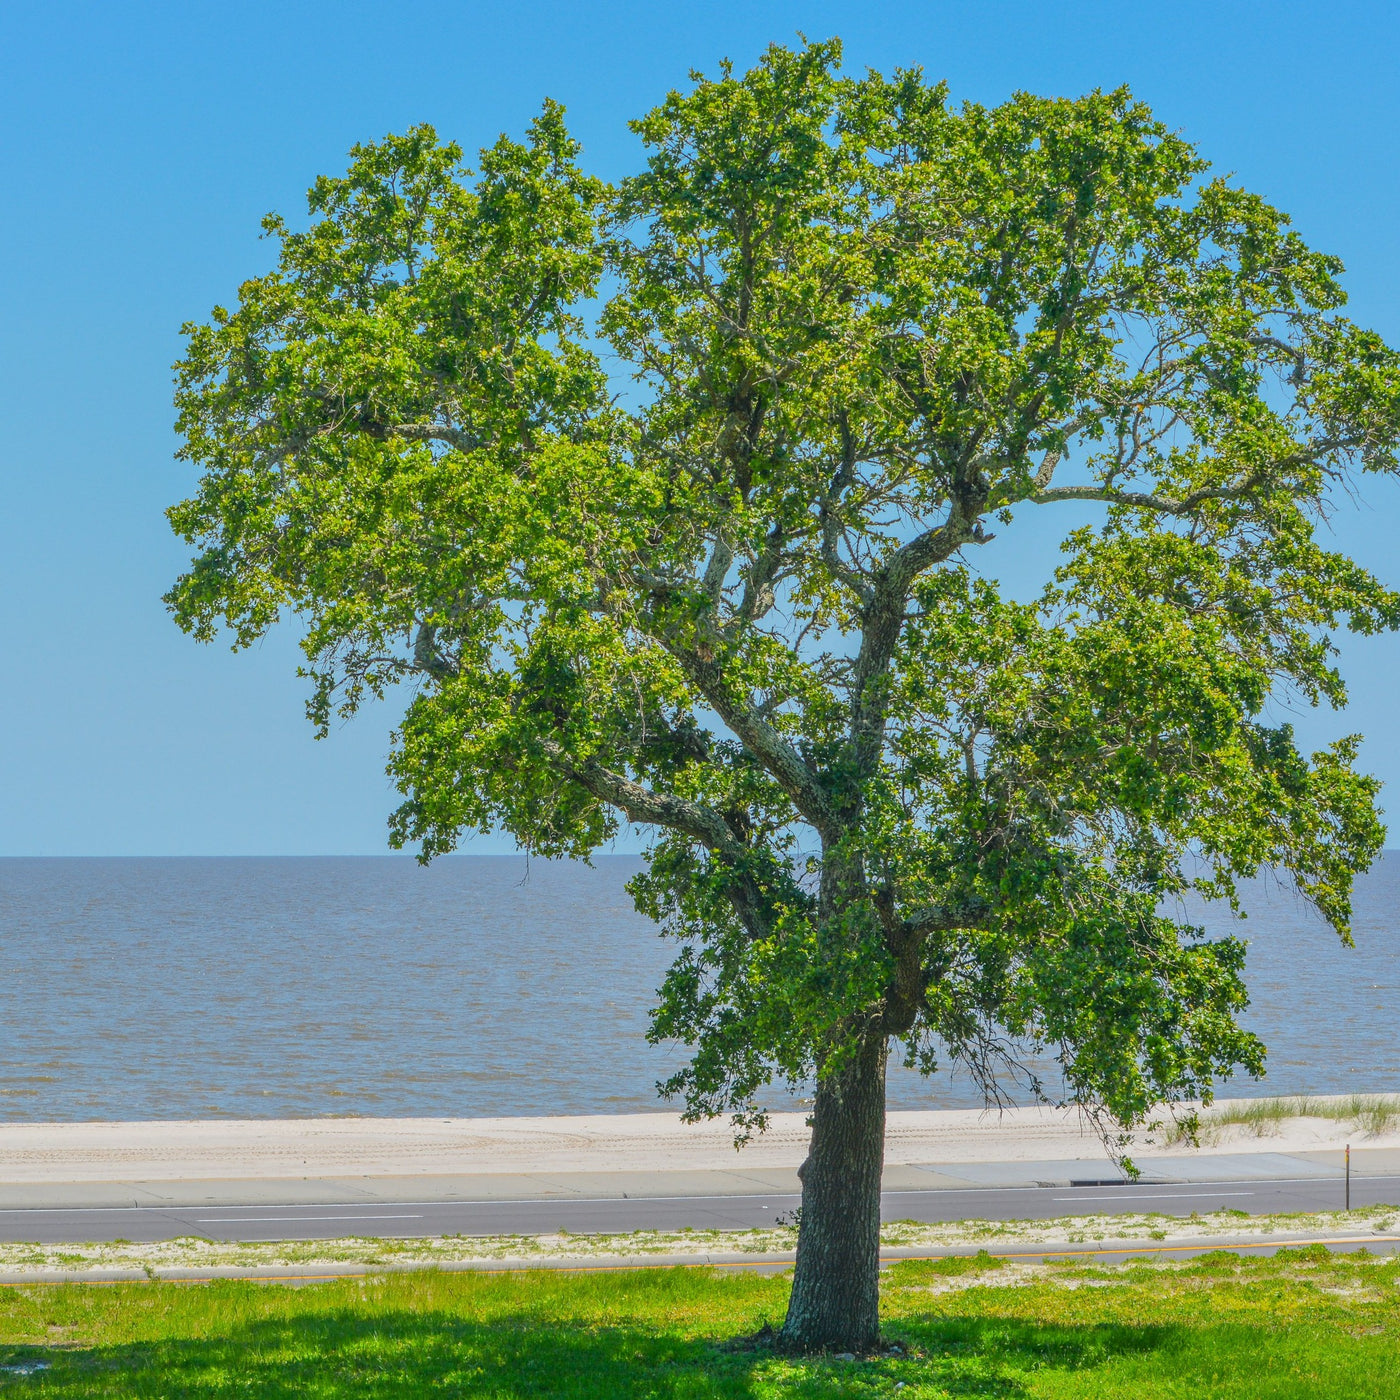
{"type": "Point", "coordinates": [482, 985]}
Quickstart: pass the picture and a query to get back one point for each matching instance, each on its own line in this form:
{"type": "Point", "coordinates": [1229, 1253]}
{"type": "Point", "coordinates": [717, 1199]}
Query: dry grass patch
{"type": "Point", "coordinates": [194, 1253]}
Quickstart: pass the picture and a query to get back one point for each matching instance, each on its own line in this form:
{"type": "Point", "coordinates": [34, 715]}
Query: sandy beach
{"type": "Point", "coordinates": [643, 1142]}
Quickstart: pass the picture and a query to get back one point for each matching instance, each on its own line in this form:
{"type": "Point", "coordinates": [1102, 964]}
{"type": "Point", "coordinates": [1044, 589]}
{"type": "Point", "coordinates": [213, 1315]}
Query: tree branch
{"type": "Point", "coordinates": [883, 617]}
{"type": "Point", "coordinates": [830, 523]}
{"type": "Point", "coordinates": [906, 940]}
{"type": "Point", "coordinates": [942, 918]}
{"type": "Point", "coordinates": [426, 656]}
{"type": "Point", "coordinates": [761, 579]}
{"type": "Point", "coordinates": [431, 432]}
{"type": "Point", "coordinates": [1299, 373]}
{"type": "Point", "coordinates": [787, 767]}
{"type": "Point", "coordinates": [1184, 505]}
{"type": "Point", "coordinates": [1146, 500]}
{"type": "Point", "coordinates": [717, 570]}
{"type": "Point", "coordinates": [1046, 474]}
{"type": "Point", "coordinates": [744, 719]}
{"type": "Point", "coordinates": [647, 807]}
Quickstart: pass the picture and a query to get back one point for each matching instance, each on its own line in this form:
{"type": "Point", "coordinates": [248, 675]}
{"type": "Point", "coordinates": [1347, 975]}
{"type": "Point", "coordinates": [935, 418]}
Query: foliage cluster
{"type": "Point", "coordinates": [677, 500]}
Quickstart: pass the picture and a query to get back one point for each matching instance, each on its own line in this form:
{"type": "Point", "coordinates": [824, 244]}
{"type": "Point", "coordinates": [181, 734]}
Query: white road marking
{"type": "Point", "coordinates": [1159, 1196]}
{"type": "Point", "coordinates": [278, 1219]}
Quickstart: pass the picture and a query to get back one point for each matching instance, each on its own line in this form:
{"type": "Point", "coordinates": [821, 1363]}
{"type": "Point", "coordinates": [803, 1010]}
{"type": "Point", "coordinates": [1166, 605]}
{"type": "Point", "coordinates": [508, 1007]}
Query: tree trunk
{"type": "Point", "coordinates": [835, 1302]}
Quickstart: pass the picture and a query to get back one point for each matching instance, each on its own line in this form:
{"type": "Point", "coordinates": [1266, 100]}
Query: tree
{"type": "Point", "coordinates": [738, 597]}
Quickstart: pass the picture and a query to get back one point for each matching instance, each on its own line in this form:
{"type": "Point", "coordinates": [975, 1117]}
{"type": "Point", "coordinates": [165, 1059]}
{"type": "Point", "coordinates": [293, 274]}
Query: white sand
{"type": "Point", "coordinates": [344, 1147]}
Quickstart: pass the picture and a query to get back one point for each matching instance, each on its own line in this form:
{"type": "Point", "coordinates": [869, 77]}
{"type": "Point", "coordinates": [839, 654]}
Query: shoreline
{"type": "Point", "coordinates": [34, 1153]}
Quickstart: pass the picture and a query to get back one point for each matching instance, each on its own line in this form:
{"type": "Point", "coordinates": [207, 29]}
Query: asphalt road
{"type": "Point", "coordinates": [300, 1222]}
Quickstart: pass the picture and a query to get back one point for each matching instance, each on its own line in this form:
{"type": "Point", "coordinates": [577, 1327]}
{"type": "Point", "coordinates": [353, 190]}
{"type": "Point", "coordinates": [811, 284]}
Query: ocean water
{"type": "Point", "coordinates": [175, 988]}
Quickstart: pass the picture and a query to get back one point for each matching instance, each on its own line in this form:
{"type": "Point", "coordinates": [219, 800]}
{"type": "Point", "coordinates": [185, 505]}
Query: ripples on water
{"type": "Point", "coordinates": [479, 986]}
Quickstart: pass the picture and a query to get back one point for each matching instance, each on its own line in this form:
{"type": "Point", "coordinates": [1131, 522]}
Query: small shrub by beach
{"type": "Point", "coordinates": [1304, 1324]}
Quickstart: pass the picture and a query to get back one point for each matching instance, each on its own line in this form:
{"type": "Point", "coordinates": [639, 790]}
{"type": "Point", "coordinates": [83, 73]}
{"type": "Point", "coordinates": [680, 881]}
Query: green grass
{"type": "Point", "coordinates": [1305, 1324]}
{"type": "Point", "coordinates": [1370, 1114]}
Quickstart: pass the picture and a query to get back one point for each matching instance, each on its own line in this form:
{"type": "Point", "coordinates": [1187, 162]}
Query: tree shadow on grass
{"type": "Point", "coordinates": [353, 1354]}
{"type": "Point", "coordinates": [992, 1356]}
{"type": "Point", "coordinates": [1001, 1356]}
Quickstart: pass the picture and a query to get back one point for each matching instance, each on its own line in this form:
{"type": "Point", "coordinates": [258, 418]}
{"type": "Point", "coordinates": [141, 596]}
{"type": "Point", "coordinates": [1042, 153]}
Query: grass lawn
{"type": "Point", "coordinates": [1303, 1324]}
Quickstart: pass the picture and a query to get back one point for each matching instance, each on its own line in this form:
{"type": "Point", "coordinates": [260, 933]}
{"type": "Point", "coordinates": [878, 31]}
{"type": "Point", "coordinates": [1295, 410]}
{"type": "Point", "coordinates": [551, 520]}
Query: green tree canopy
{"type": "Point", "coordinates": [679, 500]}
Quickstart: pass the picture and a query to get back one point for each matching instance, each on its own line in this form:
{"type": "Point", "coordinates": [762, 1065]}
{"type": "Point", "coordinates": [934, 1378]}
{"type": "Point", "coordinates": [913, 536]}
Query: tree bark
{"type": "Point", "coordinates": [835, 1301]}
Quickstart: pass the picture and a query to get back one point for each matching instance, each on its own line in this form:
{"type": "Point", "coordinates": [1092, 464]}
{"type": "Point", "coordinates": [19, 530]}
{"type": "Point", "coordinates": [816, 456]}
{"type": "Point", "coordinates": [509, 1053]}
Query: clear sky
{"type": "Point", "coordinates": [143, 141]}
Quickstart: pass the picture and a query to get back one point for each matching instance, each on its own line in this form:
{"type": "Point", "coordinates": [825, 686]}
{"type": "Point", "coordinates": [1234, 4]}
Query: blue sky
{"type": "Point", "coordinates": [142, 142]}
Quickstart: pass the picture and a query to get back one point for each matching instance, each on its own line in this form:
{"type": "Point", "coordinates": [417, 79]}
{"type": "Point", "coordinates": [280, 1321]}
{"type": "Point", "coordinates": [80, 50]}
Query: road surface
{"type": "Point", "coordinates": [410, 1219]}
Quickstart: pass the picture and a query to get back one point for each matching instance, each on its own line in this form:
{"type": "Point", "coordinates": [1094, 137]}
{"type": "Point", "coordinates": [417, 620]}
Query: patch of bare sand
{"type": "Point", "coordinates": [337, 1147]}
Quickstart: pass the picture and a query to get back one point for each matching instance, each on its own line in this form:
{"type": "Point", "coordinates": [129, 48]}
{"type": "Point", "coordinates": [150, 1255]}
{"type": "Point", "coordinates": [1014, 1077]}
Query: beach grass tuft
{"type": "Point", "coordinates": [1373, 1115]}
{"type": "Point", "coordinates": [1303, 1325]}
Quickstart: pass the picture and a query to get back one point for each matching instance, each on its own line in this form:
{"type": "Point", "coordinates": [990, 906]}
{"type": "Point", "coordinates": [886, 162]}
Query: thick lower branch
{"type": "Point", "coordinates": [907, 941]}
{"type": "Point", "coordinates": [647, 807]}
{"type": "Point", "coordinates": [941, 918]}
{"type": "Point", "coordinates": [787, 767]}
